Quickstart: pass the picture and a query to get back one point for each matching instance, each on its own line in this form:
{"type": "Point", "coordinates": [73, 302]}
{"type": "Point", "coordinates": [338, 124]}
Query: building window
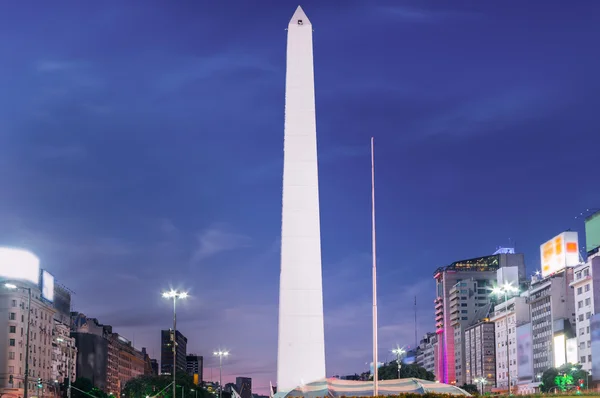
{"type": "Point", "coordinates": [14, 303]}
{"type": "Point", "coordinates": [581, 317]}
{"type": "Point", "coordinates": [588, 301]}
{"type": "Point", "coordinates": [580, 304]}
{"type": "Point", "coordinates": [588, 315]}
{"type": "Point", "coordinates": [579, 290]}
{"type": "Point", "coordinates": [12, 316]}
{"type": "Point", "coordinates": [11, 355]}
{"type": "Point", "coordinates": [578, 275]}
{"type": "Point", "coordinates": [12, 329]}
{"type": "Point", "coordinates": [11, 342]}
{"type": "Point", "coordinates": [587, 287]}
{"type": "Point", "coordinates": [582, 359]}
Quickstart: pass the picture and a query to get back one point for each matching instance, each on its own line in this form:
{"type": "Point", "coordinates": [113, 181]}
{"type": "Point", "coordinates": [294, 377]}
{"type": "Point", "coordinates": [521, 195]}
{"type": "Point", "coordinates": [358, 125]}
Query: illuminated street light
{"type": "Point", "coordinates": [481, 381]}
{"type": "Point", "coordinates": [221, 354]}
{"type": "Point", "coordinates": [26, 377]}
{"type": "Point", "coordinates": [499, 291]}
{"type": "Point", "coordinates": [399, 352]}
{"type": "Point", "coordinates": [174, 294]}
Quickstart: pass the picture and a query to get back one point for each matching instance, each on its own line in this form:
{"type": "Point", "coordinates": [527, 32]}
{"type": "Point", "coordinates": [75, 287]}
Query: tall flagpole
{"type": "Point", "coordinates": [375, 359]}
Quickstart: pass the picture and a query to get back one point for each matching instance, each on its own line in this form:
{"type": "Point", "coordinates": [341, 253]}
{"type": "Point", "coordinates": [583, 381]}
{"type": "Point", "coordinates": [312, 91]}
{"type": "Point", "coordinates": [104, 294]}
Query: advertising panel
{"type": "Point", "coordinates": [47, 286]}
{"type": "Point", "coordinates": [19, 265]}
{"type": "Point", "coordinates": [560, 351]}
{"type": "Point", "coordinates": [592, 232]}
{"type": "Point", "coordinates": [572, 351]}
{"type": "Point", "coordinates": [559, 252]}
{"type": "Point", "coordinates": [525, 352]}
{"type": "Point", "coordinates": [595, 332]}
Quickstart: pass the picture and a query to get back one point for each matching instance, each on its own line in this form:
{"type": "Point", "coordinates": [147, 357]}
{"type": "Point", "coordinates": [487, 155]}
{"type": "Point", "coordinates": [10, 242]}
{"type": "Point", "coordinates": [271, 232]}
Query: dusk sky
{"type": "Point", "coordinates": [141, 148]}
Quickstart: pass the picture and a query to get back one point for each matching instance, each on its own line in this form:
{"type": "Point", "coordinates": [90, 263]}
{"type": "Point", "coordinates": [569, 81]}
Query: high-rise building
{"type": "Point", "coordinates": [452, 299]}
{"type": "Point", "coordinates": [195, 365]}
{"type": "Point", "coordinates": [480, 353]}
{"type": "Point", "coordinates": [507, 318]}
{"type": "Point", "coordinates": [244, 386]}
{"type": "Point", "coordinates": [92, 342]}
{"type": "Point", "coordinates": [155, 367]}
{"type": "Point", "coordinates": [166, 351]}
{"type": "Point", "coordinates": [301, 356]}
{"type": "Point", "coordinates": [552, 309]}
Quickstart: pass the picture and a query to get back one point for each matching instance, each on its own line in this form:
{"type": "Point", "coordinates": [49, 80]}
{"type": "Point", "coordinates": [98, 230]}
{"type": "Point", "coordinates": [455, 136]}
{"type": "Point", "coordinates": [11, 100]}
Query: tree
{"type": "Point", "coordinates": [549, 379]}
{"type": "Point", "coordinates": [470, 388]}
{"type": "Point", "coordinates": [389, 371]}
{"type": "Point", "coordinates": [143, 386]}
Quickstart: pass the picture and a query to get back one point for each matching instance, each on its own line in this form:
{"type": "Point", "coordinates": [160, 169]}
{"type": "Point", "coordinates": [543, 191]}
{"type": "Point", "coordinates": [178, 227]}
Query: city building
{"type": "Point", "coordinates": [512, 358]}
{"type": "Point", "coordinates": [148, 366]}
{"type": "Point", "coordinates": [92, 342]}
{"type": "Point", "coordinates": [480, 354]}
{"type": "Point", "coordinates": [64, 353]}
{"type": "Point", "coordinates": [427, 352]}
{"type": "Point", "coordinates": [479, 275]}
{"type": "Point", "coordinates": [244, 386]}
{"type": "Point", "coordinates": [301, 356]}
{"type": "Point", "coordinates": [13, 333]}
{"type": "Point", "coordinates": [155, 367]}
{"type": "Point", "coordinates": [583, 290]}
{"type": "Point", "coordinates": [195, 364]}
{"type": "Point", "coordinates": [166, 351]}
{"type": "Point", "coordinates": [126, 361]}
{"type": "Point", "coordinates": [553, 322]}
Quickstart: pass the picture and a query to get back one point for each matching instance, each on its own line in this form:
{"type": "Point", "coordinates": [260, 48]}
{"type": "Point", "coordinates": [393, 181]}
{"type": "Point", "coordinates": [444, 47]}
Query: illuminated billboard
{"type": "Point", "coordinates": [595, 334]}
{"type": "Point", "coordinates": [560, 351]}
{"type": "Point", "coordinates": [559, 252]}
{"type": "Point", "coordinates": [19, 265]}
{"type": "Point", "coordinates": [572, 351]}
{"type": "Point", "coordinates": [525, 352]}
{"type": "Point", "coordinates": [592, 232]}
{"type": "Point", "coordinates": [47, 286]}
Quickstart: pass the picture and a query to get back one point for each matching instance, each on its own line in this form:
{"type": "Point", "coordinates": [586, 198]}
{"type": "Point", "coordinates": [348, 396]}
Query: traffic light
{"type": "Point", "coordinates": [39, 383]}
{"type": "Point", "coordinates": [581, 384]}
{"type": "Point", "coordinates": [10, 379]}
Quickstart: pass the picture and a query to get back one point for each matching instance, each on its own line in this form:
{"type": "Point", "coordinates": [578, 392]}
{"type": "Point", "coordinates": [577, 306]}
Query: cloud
{"type": "Point", "coordinates": [55, 66]}
{"type": "Point", "coordinates": [217, 239]}
{"type": "Point", "coordinates": [413, 14]}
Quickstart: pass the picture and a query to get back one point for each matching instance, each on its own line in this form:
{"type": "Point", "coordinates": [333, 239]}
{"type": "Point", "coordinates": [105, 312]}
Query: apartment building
{"type": "Point", "coordinates": [427, 352]}
{"type": "Point", "coordinates": [480, 353]}
{"type": "Point", "coordinates": [64, 353]}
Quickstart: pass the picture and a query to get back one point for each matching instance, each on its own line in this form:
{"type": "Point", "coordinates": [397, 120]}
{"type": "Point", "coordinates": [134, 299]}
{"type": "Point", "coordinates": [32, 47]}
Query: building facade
{"type": "Point", "coordinates": [482, 272]}
{"type": "Point", "coordinates": [427, 352]}
{"type": "Point", "coordinates": [552, 316]}
{"type": "Point", "coordinates": [507, 317]}
{"type": "Point", "coordinates": [583, 292]}
{"type": "Point", "coordinates": [13, 333]}
{"type": "Point", "coordinates": [64, 353]}
{"type": "Point", "coordinates": [195, 365]}
{"type": "Point", "coordinates": [166, 351]}
{"type": "Point", "coordinates": [480, 354]}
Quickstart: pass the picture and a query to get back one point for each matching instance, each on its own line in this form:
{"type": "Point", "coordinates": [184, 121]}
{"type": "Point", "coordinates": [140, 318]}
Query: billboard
{"type": "Point", "coordinates": [572, 351]}
{"type": "Point", "coordinates": [592, 232]}
{"type": "Point", "coordinates": [19, 265]}
{"type": "Point", "coordinates": [525, 352]}
{"type": "Point", "coordinates": [559, 252]}
{"type": "Point", "coordinates": [47, 286]}
{"type": "Point", "coordinates": [560, 350]}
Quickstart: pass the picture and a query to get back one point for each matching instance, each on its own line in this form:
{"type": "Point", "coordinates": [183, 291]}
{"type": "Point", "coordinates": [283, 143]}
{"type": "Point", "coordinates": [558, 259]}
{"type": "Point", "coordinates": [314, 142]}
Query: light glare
{"type": "Point", "coordinates": [10, 286]}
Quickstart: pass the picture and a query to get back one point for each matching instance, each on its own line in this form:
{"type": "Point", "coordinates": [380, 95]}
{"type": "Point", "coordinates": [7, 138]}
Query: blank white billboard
{"type": "Point", "coordinates": [19, 265]}
{"type": "Point", "coordinates": [47, 286]}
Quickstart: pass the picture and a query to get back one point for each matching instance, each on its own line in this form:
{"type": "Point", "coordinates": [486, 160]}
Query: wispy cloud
{"type": "Point", "coordinates": [218, 239]}
{"type": "Point", "coordinates": [414, 14]}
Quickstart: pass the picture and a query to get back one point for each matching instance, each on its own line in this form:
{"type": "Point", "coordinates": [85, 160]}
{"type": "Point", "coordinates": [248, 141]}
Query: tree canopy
{"type": "Point", "coordinates": [389, 371]}
{"type": "Point", "coordinates": [143, 386]}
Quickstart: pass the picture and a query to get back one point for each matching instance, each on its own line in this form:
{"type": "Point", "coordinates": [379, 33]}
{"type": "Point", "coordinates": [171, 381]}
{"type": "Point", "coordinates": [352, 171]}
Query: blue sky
{"type": "Point", "coordinates": [141, 148]}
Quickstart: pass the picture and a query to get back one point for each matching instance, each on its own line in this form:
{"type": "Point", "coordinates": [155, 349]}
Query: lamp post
{"type": "Point", "coordinates": [69, 364]}
{"type": "Point", "coordinates": [482, 381]}
{"type": "Point", "coordinates": [174, 294]}
{"type": "Point", "coordinates": [221, 354]}
{"type": "Point", "coordinates": [26, 378]}
{"type": "Point", "coordinates": [399, 352]}
{"type": "Point", "coordinates": [504, 290]}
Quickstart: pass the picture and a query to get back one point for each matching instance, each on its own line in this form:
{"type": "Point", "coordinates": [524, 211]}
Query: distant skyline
{"type": "Point", "coordinates": [141, 149]}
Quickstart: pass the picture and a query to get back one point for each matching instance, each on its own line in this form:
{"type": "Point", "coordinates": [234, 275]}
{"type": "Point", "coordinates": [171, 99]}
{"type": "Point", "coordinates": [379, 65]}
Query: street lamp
{"type": "Point", "coordinates": [26, 379]}
{"type": "Point", "coordinates": [399, 352]}
{"type": "Point", "coordinates": [505, 290]}
{"type": "Point", "coordinates": [174, 294]}
{"type": "Point", "coordinates": [221, 354]}
{"type": "Point", "coordinates": [481, 381]}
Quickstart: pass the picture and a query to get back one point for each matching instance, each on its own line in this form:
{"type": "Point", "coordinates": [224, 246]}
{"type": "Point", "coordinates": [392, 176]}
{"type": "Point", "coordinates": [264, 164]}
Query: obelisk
{"type": "Point", "coordinates": [301, 353]}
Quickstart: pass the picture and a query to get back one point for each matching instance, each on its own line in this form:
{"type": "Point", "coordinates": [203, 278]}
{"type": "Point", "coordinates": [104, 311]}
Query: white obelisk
{"type": "Point", "coordinates": [301, 354]}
